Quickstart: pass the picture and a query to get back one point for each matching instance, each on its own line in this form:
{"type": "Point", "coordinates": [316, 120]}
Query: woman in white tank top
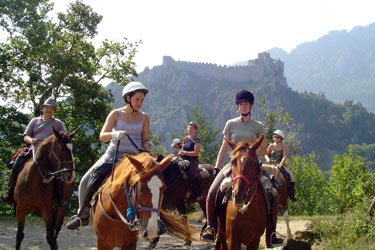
{"type": "Point", "coordinates": [120, 125]}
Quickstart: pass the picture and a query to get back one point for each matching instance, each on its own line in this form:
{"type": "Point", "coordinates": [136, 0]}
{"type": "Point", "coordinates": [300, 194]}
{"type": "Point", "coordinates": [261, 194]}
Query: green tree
{"type": "Point", "coordinates": [11, 130]}
{"type": "Point", "coordinates": [312, 187]}
{"type": "Point", "coordinates": [366, 151]}
{"type": "Point", "coordinates": [348, 176]}
{"type": "Point", "coordinates": [280, 120]}
{"type": "Point", "coordinates": [41, 57]}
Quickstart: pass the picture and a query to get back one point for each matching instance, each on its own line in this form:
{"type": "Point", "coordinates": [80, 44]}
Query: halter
{"type": "Point", "coordinates": [49, 176]}
{"type": "Point", "coordinates": [251, 183]}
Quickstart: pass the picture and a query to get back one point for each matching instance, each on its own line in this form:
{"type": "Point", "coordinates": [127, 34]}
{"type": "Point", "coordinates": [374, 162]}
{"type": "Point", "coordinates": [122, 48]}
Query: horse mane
{"type": "Point", "coordinates": [52, 138]}
{"type": "Point", "coordinates": [126, 172]}
{"type": "Point", "coordinates": [241, 145]}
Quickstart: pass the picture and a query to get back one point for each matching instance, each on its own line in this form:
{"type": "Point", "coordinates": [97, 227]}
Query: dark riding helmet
{"type": "Point", "coordinates": [244, 96]}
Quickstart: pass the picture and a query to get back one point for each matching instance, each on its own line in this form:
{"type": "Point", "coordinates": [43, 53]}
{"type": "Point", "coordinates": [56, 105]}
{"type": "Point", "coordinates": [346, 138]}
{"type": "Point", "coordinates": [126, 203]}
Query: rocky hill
{"type": "Point", "coordinates": [340, 64]}
{"type": "Point", "coordinates": [176, 87]}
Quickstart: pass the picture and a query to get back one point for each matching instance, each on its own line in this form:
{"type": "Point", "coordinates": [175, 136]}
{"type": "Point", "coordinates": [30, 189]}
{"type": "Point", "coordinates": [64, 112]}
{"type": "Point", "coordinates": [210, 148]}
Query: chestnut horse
{"type": "Point", "coordinates": [179, 192]}
{"type": "Point", "coordinates": [242, 221]}
{"type": "Point", "coordinates": [35, 188]}
{"type": "Point", "coordinates": [137, 189]}
{"type": "Point", "coordinates": [283, 193]}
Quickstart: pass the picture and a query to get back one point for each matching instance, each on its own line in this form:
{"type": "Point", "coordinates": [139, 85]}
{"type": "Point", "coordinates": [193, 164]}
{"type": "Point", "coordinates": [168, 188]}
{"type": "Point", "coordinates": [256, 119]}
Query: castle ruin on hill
{"type": "Point", "coordinates": [258, 69]}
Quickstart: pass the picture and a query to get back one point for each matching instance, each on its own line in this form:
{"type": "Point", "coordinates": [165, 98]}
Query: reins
{"type": "Point", "coordinates": [251, 183]}
{"type": "Point", "coordinates": [133, 223]}
{"type": "Point", "coordinates": [49, 176]}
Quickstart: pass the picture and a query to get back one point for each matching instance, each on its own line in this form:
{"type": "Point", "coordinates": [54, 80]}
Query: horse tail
{"type": "Point", "coordinates": [177, 226]}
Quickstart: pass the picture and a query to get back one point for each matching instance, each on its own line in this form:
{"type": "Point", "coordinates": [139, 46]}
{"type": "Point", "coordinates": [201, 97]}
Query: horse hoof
{"type": "Point", "coordinates": [187, 243]}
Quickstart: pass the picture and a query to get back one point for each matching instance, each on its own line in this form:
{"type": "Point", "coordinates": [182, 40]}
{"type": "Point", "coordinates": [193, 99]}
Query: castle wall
{"type": "Point", "coordinates": [256, 69]}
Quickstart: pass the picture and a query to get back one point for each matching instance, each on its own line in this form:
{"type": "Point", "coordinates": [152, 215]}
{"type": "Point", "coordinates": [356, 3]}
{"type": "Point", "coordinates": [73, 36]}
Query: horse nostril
{"type": "Point", "coordinates": [145, 235]}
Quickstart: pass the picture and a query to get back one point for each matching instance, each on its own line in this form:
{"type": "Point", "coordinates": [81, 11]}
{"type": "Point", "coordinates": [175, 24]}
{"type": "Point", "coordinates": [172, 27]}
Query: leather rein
{"type": "Point", "coordinates": [49, 176]}
{"type": "Point", "coordinates": [253, 181]}
{"type": "Point", "coordinates": [132, 222]}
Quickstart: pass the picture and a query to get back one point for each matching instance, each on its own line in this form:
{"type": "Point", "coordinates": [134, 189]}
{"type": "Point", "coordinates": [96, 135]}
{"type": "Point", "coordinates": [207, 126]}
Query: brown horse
{"type": "Point", "coordinates": [242, 221]}
{"type": "Point", "coordinates": [283, 193]}
{"type": "Point", "coordinates": [35, 188]}
{"type": "Point", "coordinates": [138, 183]}
{"type": "Point", "coordinates": [179, 191]}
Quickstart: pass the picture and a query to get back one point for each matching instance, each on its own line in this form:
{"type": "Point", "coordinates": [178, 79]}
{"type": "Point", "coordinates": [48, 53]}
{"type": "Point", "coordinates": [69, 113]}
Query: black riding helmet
{"type": "Point", "coordinates": [244, 96]}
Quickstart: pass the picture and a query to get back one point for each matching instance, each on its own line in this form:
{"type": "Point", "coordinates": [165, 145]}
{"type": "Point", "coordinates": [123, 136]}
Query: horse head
{"type": "Point", "coordinates": [245, 170]}
{"type": "Point", "coordinates": [147, 186]}
{"type": "Point", "coordinates": [61, 156]}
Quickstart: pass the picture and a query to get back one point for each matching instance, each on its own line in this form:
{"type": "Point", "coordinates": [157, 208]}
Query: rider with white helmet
{"type": "Point", "coordinates": [277, 154]}
{"type": "Point", "coordinates": [129, 129]}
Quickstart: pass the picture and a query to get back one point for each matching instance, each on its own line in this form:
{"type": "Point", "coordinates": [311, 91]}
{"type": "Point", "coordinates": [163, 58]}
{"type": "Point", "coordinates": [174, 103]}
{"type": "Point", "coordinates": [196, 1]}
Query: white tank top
{"type": "Point", "coordinates": [135, 133]}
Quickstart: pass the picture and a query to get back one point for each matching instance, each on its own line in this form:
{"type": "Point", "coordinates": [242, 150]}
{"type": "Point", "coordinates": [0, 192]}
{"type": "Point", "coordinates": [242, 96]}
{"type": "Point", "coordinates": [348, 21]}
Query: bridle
{"type": "Point", "coordinates": [250, 183]}
{"type": "Point", "coordinates": [49, 176]}
{"type": "Point", "coordinates": [132, 212]}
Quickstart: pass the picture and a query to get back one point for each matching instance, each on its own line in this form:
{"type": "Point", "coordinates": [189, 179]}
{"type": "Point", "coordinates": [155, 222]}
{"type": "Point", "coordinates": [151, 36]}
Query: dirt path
{"type": "Point", "coordinates": [85, 238]}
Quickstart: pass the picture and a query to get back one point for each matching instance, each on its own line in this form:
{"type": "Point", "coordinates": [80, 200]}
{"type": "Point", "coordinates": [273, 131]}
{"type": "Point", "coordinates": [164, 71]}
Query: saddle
{"type": "Point", "coordinates": [19, 158]}
{"type": "Point", "coordinates": [205, 170]}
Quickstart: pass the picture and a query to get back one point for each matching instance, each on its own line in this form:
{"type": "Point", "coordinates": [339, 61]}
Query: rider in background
{"type": "Point", "coordinates": [38, 129]}
{"type": "Point", "coordinates": [128, 126]}
{"type": "Point", "coordinates": [277, 154]}
{"type": "Point", "coordinates": [190, 151]}
{"type": "Point", "coordinates": [242, 128]}
{"type": "Point", "coordinates": [176, 145]}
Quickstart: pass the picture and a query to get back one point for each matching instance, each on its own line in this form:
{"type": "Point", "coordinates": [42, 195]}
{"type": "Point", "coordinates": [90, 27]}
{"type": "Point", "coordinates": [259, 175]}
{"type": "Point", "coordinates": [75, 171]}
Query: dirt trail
{"type": "Point", "coordinates": [85, 238]}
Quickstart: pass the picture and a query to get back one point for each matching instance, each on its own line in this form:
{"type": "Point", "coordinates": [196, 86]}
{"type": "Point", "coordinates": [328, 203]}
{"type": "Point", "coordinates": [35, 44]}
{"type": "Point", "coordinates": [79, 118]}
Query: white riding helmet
{"type": "Point", "coordinates": [50, 102]}
{"type": "Point", "coordinates": [132, 87]}
{"type": "Point", "coordinates": [279, 133]}
{"type": "Point", "coordinates": [175, 141]}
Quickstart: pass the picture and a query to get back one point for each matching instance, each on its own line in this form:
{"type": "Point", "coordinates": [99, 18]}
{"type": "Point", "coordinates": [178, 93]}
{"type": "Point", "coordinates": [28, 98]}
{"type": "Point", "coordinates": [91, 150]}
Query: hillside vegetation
{"type": "Point", "coordinates": [340, 64]}
{"type": "Point", "coordinates": [326, 128]}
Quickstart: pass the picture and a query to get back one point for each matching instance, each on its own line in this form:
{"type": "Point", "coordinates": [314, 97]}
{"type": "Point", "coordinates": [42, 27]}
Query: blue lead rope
{"type": "Point", "coordinates": [130, 212]}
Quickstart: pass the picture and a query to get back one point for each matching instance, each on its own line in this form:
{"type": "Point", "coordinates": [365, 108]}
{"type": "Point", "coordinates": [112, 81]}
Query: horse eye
{"type": "Point", "coordinates": [143, 190]}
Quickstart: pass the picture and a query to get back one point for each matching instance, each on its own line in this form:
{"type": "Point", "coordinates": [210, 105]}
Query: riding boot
{"type": "Point", "coordinates": [80, 219]}
{"type": "Point", "coordinates": [9, 196]}
{"type": "Point", "coordinates": [291, 191]}
{"type": "Point", "coordinates": [209, 233]}
{"type": "Point", "coordinates": [197, 189]}
{"type": "Point", "coordinates": [271, 239]}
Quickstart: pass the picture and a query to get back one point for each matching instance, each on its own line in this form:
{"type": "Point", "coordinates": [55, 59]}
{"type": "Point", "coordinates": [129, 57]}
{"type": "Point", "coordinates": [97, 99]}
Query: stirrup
{"type": "Point", "coordinates": [274, 241]}
{"type": "Point", "coordinates": [208, 237]}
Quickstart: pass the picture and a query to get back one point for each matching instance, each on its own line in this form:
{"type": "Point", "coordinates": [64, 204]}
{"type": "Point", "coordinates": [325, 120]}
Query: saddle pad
{"type": "Point", "coordinates": [226, 184]}
{"type": "Point", "coordinates": [19, 151]}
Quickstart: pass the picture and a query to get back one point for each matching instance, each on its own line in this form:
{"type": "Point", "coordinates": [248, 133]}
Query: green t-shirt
{"type": "Point", "coordinates": [238, 131]}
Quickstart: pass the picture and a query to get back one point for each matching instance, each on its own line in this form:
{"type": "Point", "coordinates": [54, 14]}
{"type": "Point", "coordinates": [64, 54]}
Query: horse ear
{"type": "Point", "coordinates": [57, 134]}
{"type": "Point", "coordinates": [135, 162]}
{"type": "Point", "coordinates": [71, 135]}
{"type": "Point", "coordinates": [165, 162]}
{"type": "Point", "coordinates": [230, 143]}
{"type": "Point", "coordinates": [257, 143]}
